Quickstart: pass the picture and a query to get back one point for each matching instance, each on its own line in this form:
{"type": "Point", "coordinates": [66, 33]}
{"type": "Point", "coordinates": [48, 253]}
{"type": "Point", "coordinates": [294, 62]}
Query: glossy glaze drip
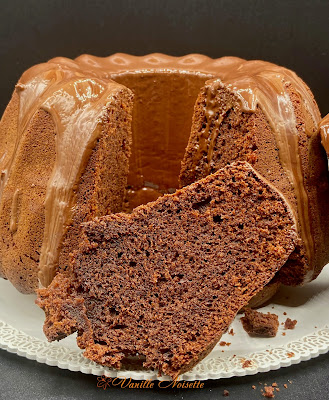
{"type": "Point", "coordinates": [77, 109]}
{"type": "Point", "coordinates": [257, 83]}
{"type": "Point", "coordinates": [13, 212]}
{"type": "Point", "coordinates": [210, 130]}
{"type": "Point", "coordinates": [77, 104]}
{"type": "Point", "coordinates": [324, 129]}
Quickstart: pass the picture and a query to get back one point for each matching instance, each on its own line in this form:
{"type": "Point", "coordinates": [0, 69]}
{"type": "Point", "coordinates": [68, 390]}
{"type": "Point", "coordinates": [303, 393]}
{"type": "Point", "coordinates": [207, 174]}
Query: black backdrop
{"type": "Point", "coordinates": [293, 33]}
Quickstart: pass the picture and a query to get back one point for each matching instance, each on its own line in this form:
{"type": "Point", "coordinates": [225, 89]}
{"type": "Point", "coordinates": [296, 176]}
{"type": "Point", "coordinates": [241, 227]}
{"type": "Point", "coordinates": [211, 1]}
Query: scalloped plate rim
{"type": "Point", "coordinates": [97, 370]}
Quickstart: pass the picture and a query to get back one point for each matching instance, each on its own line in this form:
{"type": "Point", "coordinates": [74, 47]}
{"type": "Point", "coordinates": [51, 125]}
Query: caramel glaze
{"type": "Point", "coordinates": [261, 84]}
{"type": "Point", "coordinates": [324, 130]}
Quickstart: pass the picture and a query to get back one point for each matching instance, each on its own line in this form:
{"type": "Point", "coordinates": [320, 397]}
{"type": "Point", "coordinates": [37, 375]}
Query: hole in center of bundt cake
{"type": "Point", "coordinates": [161, 126]}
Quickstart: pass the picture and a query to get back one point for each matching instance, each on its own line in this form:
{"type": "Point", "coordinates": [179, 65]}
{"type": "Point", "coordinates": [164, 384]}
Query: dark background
{"type": "Point", "coordinates": [291, 33]}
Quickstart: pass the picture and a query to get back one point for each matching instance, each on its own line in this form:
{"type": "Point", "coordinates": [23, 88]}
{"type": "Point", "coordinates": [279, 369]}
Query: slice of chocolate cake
{"type": "Point", "coordinates": [165, 282]}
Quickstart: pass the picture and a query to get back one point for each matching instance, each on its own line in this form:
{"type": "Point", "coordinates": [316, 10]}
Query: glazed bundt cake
{"type": "Point", "coordinates": [165, 282]}
{"type": "Point", "coordinates": [46, 194]}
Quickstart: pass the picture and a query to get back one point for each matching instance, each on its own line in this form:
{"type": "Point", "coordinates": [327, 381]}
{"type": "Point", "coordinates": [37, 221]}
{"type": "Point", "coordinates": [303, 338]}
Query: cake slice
{"type": "Point", "coordinates": [165, 282]}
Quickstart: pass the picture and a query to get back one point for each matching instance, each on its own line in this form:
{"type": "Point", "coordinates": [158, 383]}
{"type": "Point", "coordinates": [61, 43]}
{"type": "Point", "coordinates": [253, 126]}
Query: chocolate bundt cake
{"type": "Point", "coordinates": [266, 115]}
{"type": "Point", "coordinates": [165, 282]}
{"type": "Point", "coordinates": [165, 90]}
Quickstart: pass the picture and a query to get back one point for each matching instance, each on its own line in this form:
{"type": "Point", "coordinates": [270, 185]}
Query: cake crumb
{"type": "Point", "coordinates": [285, 385]}
{"type": "Point", "coordinates": [226, 393]}
{"type": "Point", "coordinates": [289, 381]}
{"type": "Point", "coordinates": [284, 313]}
{"type": "Point", "coordinates": [274, 384]}
{"type": "Point", "coordinates": [268, 392]}
{"type": "Point", "coordinates": [290, 324]}
{"type": "Point", "coordinates": [283, 333]}
{"type": "Point", "coordinates": [231, 332]}
{"type": "Point", "coordinates": [256, 323]}
{"type": "Point", "coordinates": [254, 387]}
{"type": "Point", "coordinates": [290, 354]}
{"type": "Point", "coordinates": [277, 389]}
{"type": "Point", "coordinates": [246, 364]}
{"type": "Point", "coordinates": [222, 343]}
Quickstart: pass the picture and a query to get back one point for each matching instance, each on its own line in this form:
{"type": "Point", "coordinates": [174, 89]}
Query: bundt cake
{"type": "Point", "coordinates": [266, 115]}
{"type": "Point", "coordinates": [38, 234]}
{"type": "Point", "coordinates": [165, 282]}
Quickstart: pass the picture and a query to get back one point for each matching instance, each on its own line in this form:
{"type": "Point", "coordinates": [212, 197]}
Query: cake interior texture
{"type": "Point", "coordinates": [165, 282]}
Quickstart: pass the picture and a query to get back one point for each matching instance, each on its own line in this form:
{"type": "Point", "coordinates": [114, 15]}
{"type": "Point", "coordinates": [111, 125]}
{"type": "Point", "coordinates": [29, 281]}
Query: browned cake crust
{"type": "Point", "coordinates": [266, 115]}
{"type": "Point", "coordinates": [265, 295]}
{"type": "Point", "coordinates": [166, 281]}
{"type": "Point", "coordinates": [256, 323]}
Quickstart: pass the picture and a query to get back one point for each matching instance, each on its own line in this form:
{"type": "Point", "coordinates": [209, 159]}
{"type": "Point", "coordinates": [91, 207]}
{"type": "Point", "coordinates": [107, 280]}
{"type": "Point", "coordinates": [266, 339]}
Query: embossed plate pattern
{"type": "Point", "coordinates": [21, 333]}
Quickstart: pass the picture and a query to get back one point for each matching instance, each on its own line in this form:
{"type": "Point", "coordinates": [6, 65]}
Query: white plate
{"type": "Point", "coordinates": [21, 332]}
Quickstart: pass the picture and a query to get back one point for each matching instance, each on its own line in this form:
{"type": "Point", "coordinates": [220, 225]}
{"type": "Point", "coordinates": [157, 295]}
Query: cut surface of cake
{"type": "Point", "coordinates": [165, 282]}
{"type": "Point", "coordinates": [266, 115]}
